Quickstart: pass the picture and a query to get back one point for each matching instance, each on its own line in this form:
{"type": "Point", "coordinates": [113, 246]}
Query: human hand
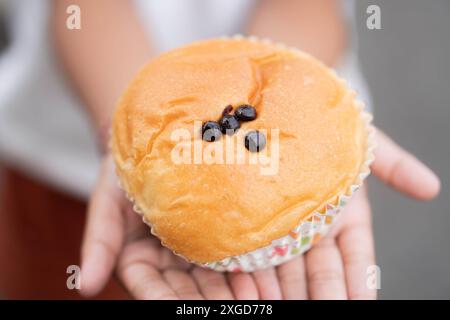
{"type": "Point", "coordinates": [116, 238]}
{"type": "Point", "coordinates": [336, 267]}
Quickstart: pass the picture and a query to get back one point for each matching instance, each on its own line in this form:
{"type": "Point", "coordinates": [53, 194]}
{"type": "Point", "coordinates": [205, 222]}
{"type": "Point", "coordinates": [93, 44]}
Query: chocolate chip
{"type": "Point", "coordinates": [255, 141]}
{"type": "Point", "coordinates": [227, 109]}
{"type": "Point", "coordinates": [211, 131]}
{"type": "Point", "coordinates": [229, 124]}
{"type": "Point", "coordinates": [245, 113]}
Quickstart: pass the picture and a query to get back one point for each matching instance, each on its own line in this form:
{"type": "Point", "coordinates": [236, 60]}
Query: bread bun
{"type": "Point", "coordinates": [210, 211]}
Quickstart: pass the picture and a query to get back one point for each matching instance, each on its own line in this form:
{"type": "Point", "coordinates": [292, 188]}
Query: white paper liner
{"type": "Point", "coordinates": [311, 229]}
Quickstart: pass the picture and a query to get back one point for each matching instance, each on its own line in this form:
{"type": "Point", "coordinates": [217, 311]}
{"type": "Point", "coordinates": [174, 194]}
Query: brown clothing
{"type": "Point", "coordinates": [40, 236]}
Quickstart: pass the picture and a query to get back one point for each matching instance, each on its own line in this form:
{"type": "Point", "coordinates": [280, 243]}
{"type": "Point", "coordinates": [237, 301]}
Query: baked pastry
{"type": "Point", "coordinates": [230, 215]}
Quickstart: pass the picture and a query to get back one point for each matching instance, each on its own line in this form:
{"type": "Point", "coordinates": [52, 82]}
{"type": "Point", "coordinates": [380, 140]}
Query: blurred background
{"type": "Point", "coordinates": [406, 66]}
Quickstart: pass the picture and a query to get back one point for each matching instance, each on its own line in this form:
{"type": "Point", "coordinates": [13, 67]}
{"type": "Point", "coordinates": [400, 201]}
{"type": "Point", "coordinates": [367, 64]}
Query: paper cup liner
{"type": "Point", "coordinates": [311, 228]}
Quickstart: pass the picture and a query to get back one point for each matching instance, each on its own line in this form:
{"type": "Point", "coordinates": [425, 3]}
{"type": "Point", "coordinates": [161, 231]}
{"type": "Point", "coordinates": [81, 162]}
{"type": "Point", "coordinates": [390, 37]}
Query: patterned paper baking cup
{"type": "Point", "coordinates": [307, 233]}
{"type": "Point", "coordinates": [310, 229]}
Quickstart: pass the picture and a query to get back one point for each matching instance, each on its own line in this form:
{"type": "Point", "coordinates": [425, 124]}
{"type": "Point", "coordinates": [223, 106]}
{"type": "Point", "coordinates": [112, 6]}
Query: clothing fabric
{"type": "Point", "coordinates": [40, 236]}
{"type": "Point", "coordinates": [44, 130]}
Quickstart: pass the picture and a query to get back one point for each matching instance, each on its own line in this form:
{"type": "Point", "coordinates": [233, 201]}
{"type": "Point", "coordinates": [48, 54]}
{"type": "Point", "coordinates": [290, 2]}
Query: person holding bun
{"type": "Point", "coordinates": [56, 152]}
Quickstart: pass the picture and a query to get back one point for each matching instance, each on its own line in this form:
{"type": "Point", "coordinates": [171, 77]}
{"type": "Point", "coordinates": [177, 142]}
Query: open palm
{"type": "Point", "coordinates": [335, 268]}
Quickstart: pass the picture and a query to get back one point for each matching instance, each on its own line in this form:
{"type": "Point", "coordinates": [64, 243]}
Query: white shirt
{"type": "Point", "coordinates": [43, 128]}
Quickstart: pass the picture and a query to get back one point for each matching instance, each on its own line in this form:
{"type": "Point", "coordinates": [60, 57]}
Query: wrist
{"type": "Point", "coordinates": [103, 135]}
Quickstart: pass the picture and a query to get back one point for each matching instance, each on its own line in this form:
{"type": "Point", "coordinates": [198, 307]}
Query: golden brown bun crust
{"type": "Point", "coordinates": [209, 212]}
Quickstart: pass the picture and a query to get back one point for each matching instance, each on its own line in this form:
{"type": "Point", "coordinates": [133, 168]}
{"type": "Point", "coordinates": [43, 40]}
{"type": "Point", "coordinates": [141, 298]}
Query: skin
{"type": "Point", "coordinates": [117, 242]}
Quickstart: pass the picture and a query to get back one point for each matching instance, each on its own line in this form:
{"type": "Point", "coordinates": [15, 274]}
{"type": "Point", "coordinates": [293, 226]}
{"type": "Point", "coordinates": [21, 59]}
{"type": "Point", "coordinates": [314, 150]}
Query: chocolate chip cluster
{"type": "Point", "coordinates": [230, 123]}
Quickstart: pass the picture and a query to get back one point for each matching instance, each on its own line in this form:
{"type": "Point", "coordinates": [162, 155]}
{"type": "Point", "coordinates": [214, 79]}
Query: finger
{"type": "Point", "coordinates": [243, 286]}
{"type": "Point", "coordinates": [403, 171]}
{"type": "Point", "coordinates": [168, 260]}
{"type": "Point", "coordinates": [325, 272]}
{"type": "Point", "coordinates": [182, 284]}
{"type": "Point", "coordinates": [137, 271]}
{"type": "Point", "coordinates": [144, 282]}
{"type": "Point", "coordinates": [357, 249]}
{"type": "Point", "coordinates": [104, 232]}
{"type": "Point", "coordinates": [268, 284]}
{"type": "Point", "coordinates": [292, 277]}
{"type": "Point", "coordinates": [213, 285]}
